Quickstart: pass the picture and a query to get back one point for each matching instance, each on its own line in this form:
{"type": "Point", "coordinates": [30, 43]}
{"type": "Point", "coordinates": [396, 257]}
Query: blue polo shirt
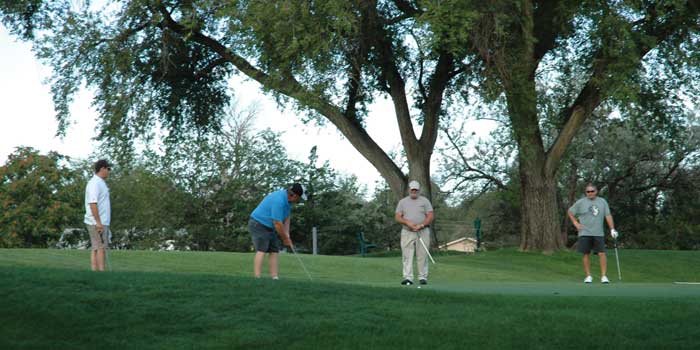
{"type": "Point", "coordinates": [274, 207]}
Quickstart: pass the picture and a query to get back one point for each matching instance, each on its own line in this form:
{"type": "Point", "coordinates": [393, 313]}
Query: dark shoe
{"type": "Point", "coordinates": [406, 282]}
{"type": "Point", "coordinates": [422, 281]}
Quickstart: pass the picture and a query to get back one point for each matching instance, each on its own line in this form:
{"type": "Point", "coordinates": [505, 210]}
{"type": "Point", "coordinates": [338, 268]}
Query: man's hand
{"type": "Point", "coordinates": [287, 241]}
{"type": "Point", "coordinates": [99, 227]}
{"type": "Point", "coordinates": [578, 225]}
{"type": "Point", "coordinates": [614, 233]}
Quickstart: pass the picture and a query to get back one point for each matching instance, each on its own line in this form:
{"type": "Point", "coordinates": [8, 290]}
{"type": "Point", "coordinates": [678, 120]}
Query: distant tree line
{"type": "Point", "coordinates": [194, 194]}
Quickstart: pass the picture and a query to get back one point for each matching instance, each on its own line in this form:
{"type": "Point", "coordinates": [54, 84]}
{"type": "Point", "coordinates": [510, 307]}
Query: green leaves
{"type": "Point", "coordinates": [39, 197]}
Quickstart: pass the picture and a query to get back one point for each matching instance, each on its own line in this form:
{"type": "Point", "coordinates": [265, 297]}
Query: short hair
{"type": "Point", "coordinates": [102, 163]}
{"type": "Point", "coordinates": [592, 185]}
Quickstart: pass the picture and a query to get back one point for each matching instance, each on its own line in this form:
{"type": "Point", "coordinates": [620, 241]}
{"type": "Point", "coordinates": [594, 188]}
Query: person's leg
{"type": "Point", "coordinates": [599, 246]}
{"type": "Point", "coordinates": [587, 264]}
{"type": "Point", "coordinates": [603, 264]}
{"type": "Point", "coordinates": [95, 243]}
{"type": "Point", "coordinates": [421, 254]}
{"type": "Point", "coordinates": [257, 263]}
{"type": "Point", "coordinates": [408, 247]}
{"type": "Point", "coordinates": [273, 261]}
{"type": "Point", "coordinates": [100, 257]}
{"type": "Point", "coordinates": [261, 241]}
{"type": "Point", "coordinates": [584, 247]}
{"type": "Point", "coordinates": [93, 259]}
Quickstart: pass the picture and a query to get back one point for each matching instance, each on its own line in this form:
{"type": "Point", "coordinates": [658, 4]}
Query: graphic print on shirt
{"type": "Point", "coordinates": [593, 209]}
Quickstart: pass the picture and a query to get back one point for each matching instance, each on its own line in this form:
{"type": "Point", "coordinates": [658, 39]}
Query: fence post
{"type": "Point", "coordinates": [315, 240]}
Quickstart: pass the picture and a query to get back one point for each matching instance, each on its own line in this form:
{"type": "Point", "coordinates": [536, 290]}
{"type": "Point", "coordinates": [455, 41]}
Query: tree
{"type": "Point", "coordinates": [584, 52]}
{"type": "Point", "coordinates": [39, 197]}
{"type": "Point", "coordinates": [170, 60]}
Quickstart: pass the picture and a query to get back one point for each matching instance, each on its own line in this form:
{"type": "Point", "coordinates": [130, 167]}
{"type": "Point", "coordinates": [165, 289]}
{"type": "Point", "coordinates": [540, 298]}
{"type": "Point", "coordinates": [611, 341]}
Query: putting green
{"type": "Point", "coordinates": [614, 289]}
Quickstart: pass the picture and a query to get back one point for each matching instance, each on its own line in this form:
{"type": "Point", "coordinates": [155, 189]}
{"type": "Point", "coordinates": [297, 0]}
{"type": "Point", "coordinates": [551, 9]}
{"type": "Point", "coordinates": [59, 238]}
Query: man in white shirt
{"type": "Point", "coordinates": [98, 214]}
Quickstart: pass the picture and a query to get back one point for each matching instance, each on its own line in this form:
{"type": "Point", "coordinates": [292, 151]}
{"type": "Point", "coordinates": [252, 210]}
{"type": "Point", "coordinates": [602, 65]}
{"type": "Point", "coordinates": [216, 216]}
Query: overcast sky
{"type": "Point", "coordinates": [27, 118]}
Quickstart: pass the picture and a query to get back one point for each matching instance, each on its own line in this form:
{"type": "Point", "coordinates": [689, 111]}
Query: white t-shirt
{"type": "Point", "coordinates": [96, 191]}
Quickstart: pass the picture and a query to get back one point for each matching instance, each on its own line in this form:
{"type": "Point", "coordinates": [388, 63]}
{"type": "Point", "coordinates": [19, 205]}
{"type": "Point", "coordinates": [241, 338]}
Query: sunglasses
{"type": "Point", "coordinates": [590, 191]}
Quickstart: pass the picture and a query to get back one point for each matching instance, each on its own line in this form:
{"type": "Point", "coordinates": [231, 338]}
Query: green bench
{"type": "Point", "coordinates": [364, 245]}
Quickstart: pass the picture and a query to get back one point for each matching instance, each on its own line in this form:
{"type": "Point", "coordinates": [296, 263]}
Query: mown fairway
{"type": "Point", "coordinates": [497, 299]}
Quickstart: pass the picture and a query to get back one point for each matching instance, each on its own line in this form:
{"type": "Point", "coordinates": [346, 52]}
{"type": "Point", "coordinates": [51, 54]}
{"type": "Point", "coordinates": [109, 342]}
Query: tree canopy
{"type": "Point", "coordinates": [158, 63]}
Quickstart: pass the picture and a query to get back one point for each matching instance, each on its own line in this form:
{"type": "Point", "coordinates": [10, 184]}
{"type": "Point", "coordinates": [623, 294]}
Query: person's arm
{"type": "Point", "coordinates": [401, 220]}
{"type": "Point", "coordinates": [284, 235]}
{"type": "Point", "coordinates": [573, 220]}
{"type": "Point", "coordinates": [96, 214]}
{"type": "Point", "coordinates": [611, 224]}
{"type": "Point", "coordinates": [428, 219]}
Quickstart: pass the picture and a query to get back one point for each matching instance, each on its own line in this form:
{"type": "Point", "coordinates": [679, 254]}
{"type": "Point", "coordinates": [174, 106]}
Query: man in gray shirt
{"type": "Point", "coordinates": [415, 213]}
{"type": "Point", "coordinates": [588, 214]}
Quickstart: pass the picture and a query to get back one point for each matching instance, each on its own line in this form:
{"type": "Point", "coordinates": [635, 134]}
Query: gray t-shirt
{"type": "Point", "coordinates": [591, 214]}
{"type": "Point", "coordinates": [414, 210]}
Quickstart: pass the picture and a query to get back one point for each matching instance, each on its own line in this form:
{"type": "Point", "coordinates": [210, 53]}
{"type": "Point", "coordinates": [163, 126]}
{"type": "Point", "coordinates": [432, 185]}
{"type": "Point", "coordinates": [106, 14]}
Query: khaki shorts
{"type": "Point", "coordinates": [99, 240]}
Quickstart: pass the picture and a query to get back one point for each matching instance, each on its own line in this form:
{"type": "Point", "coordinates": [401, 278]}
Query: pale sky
{"type": "Point", "coordinates": [27, 118]}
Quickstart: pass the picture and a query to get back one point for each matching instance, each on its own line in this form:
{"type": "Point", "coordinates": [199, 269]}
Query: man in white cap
{"type": "Point", "coordinates": [414, 213]}
{"type": "Point", "coordinates": [269, 226]}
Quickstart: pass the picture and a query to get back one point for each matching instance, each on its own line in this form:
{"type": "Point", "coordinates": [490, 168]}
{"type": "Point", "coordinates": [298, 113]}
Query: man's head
{"type": "Point", "coordinates": [296, 192]}
{"type": "Point", "coordinates": [102, 168]}
{"type": "Point", "coordinates": [414, 189]}
{"type": "Point", "coordinates": [591, 191]}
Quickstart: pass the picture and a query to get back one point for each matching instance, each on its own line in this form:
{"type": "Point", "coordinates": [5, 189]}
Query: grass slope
{"type": "Point", "coordinates": [499, 299]}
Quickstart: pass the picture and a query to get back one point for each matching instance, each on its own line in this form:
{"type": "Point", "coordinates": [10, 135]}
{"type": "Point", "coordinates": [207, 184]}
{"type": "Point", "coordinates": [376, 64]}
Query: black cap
{"type": "Point", "coordinates": [102, 163]}
{"type": "Point", "coordinates": [299, 190]}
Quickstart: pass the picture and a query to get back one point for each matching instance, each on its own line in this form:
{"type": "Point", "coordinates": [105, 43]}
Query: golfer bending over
{"type": "Point", "coordinates": [590, 212]}
{"type": "Point", "coordinates": [415, 213]}
{"type": "Point", "coordinates": [272, 215]}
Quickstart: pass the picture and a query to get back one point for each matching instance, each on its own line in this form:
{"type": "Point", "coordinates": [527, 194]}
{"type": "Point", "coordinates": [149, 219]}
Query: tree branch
{"type": "Point", "coordinates": [289, 86]}
{"type": "Point", "coordinates": [432, 108]}
{"type": "Point", "coordinates": [591, 95]}
{"type": "Point", "coordinates": [466, 164]}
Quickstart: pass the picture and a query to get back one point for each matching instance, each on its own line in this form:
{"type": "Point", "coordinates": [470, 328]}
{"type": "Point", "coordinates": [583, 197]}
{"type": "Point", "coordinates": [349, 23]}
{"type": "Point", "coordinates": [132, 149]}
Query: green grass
{"type": "Point", "coordinates": [498, 299]}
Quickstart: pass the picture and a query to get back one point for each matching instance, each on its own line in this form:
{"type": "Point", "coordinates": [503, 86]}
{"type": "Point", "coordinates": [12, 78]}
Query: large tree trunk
{"type": "Point", "coordinates": [419, 170]}
{"type": "Point", "coordinates": [540, 229]}
{"type": "Point", "coordinates": [540, 226]}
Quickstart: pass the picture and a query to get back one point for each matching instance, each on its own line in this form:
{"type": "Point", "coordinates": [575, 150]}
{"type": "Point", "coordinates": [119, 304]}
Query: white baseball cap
{"type": "Point", "coordinates": [414, 185]}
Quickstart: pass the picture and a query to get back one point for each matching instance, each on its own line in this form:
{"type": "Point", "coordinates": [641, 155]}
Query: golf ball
{"type": "Point", "coordinates": [418, 287]}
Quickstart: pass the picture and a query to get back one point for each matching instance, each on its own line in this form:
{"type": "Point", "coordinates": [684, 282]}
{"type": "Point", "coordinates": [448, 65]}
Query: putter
{"type": "Point", "coordinates": [426, 249]}
{"type": "Point", "coordinates": [109, 266]}
{"type": "Point", "coordinates": [109, 236]}
{"type": "Point", "coordinates": [617, 259]}
{"type": "Point", "coordinates": [301, 263]}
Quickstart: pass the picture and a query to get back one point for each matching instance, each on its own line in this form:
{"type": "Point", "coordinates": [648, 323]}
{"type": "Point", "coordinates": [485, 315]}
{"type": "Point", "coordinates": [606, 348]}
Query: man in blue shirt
{"type": "Point", "coordinates": [273, 214]}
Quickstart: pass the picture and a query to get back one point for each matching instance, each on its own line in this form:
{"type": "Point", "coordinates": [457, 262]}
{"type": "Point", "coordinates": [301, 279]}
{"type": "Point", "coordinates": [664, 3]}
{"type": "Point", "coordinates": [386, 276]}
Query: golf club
{"type": "Point", "coordinates": [301, 263]}
{"type": "Point", "coordinates": [106, 245]}
{"type": "Point", "coordinates": [109, 266]}
{"type": "Point", "coordinates": [617, 259]}
{"type": "Point", "coordinates": [426, 249]}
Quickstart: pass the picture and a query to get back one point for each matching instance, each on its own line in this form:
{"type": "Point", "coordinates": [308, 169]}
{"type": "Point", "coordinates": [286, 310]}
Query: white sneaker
{"type": "Point", "coordinates": [588, 279]}
{"type": "Point", "coordinates": [604, 279]}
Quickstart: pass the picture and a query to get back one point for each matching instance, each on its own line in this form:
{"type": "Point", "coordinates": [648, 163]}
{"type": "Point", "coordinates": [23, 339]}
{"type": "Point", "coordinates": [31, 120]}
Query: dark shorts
{"type": "Point", "coordinates": [588, 243]}
{"type": "Point", "coordinates": [264, 238]}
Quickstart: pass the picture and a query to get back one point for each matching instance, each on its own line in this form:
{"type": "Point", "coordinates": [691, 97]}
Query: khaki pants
{"type": "Point", "coordinates": [411, 245]}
